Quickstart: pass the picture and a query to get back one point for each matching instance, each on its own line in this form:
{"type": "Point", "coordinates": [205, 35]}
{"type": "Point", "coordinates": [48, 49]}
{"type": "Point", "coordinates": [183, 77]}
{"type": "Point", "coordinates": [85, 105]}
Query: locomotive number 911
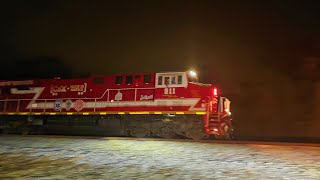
{"type": "Point", "coordinates": [165, 104]}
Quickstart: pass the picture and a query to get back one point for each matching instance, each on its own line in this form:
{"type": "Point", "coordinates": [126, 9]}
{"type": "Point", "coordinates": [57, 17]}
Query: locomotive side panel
{"type": "Point", "coordinates": [161, 104]}
{"type": "Point", "coordinates": [110, 94]}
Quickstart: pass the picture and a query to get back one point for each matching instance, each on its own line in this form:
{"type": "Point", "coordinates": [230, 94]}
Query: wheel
{"type": "Point", "coordinates": [206, 136]}
{"type": "Point", "coordinates": [138, 132]}
{"type": "Point", "coordinates": [25, 131]}
{"type": "Point", "coordinates": [5, 131]}
{"type": "Point", "coordinates": [196, 134]}
{"type": "Point", "coordinates": [167, 132]}
{"type": "Point", "coordinates": [187, 135]}
{"type": "Point", "coordinates": [38, 131]}
{"type": "Point", "coordinates": [228, 131]}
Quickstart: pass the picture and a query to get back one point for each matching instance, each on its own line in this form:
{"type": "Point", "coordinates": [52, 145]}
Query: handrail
{"type": "Point", "coordinates": [208, 111]}
{"type": "Point", "coordinates": [84, 98]}
{"type": "Point", "coordinates": [5, 106]}
{"type": "Point", "coordinates": [18, 106]}
{"type": "Point", "coordinates": [219, 108]}
{"type": "Point", "coordinates": [107, 90]}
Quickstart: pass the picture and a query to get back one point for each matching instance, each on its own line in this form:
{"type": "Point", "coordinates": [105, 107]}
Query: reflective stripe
{"type": "Point", "coordinates": [139, 112]}
{"type": "Point", "coordinates": [101, 113]}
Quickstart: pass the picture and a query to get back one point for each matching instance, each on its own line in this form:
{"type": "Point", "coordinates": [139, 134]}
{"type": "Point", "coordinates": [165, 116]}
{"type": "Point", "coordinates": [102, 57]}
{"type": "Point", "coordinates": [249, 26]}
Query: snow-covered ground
{"type": "Point", "coordinates": [36, 157]}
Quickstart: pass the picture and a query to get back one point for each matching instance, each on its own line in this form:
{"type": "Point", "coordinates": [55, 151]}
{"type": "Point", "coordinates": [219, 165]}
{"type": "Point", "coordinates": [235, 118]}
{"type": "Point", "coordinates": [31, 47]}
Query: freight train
{"type": "Point", "coordinates": [165, 104]}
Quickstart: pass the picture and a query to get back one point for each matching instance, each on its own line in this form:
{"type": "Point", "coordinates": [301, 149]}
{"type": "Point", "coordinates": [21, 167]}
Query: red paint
{"type": "Point", "coordinates": [111, 93]}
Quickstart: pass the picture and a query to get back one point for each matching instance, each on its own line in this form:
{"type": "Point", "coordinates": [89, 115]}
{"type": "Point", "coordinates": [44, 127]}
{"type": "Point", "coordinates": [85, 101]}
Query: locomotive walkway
{"type": "Point", "coordinates": [61, 157]}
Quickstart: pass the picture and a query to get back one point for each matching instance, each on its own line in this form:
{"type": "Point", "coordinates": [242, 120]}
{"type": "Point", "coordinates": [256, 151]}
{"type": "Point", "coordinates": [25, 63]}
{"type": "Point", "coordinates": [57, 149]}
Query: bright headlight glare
{"type": "Point", "coordinates": [193, 74]}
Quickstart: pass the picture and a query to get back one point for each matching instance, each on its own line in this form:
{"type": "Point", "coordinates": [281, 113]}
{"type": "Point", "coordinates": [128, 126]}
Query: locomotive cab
{"type": "Point", "coordinates": [145, 104]}
{"type": "Point", "coordinates": [171, 79]}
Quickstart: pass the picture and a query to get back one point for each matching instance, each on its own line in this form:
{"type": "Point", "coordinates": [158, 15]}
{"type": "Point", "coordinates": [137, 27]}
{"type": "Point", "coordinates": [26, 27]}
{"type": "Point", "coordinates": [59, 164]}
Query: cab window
{"type": "Point", "coordinates": [147, 79]}
{"type": "Point", "coordinates": [180, 79]}
{"type": "Point", "coordinates": [159, 80]}
{"type": "Point", "coordinates": [173, 80]}
{"type": "Point", "coordinates": [129, 79]}
{"type": "Point", "coordinates": [166, 80]}
{"type": "Point", "coordinates": [118, 80]}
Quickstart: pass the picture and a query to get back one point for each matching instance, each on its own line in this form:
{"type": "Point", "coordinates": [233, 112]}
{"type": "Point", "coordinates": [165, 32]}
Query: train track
{"type": "Point", "coordinates": [176, 140]}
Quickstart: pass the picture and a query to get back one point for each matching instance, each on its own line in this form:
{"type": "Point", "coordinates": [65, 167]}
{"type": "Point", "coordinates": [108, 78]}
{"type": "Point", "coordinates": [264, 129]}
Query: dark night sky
{"type": "Point", "coordinates": [251, 49]}
{"type": "Point", "coordinates": [223, 40]}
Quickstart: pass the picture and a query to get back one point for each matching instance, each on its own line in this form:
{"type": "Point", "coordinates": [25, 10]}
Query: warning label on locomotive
{"type": "Point", "coordinates": [78, 105]}
{"type": "Point", "coordinates": [57, 105]}
{"type": "Point", "coordinates": [68, 104]}
{"type": "Point", "coordinates": [118, 96]}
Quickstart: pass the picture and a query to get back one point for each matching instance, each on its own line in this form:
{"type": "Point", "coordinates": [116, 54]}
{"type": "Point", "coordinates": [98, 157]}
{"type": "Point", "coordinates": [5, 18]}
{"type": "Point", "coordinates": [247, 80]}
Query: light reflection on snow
{"type": "Point", "coordinates": [187, 159]}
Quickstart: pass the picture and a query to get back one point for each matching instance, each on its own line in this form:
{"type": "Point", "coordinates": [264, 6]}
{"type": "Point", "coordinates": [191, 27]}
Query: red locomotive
{"type": "Point", "coordinates": [147, 104]}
